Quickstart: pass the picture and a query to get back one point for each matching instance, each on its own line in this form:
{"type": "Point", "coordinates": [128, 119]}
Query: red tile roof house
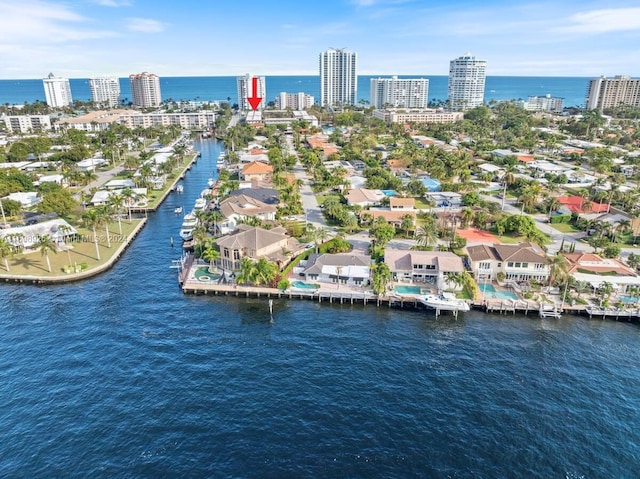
{"type": "Point", "coordinates": [595, 270]}
{"type": "Point", "coordinates": [577, 204]}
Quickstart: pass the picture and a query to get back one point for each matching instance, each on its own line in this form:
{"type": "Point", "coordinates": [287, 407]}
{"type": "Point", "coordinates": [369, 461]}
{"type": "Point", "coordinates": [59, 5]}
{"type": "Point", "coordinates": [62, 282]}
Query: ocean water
{"type": "Point", "coordinates": [572, 89]}
{"type": "Point", "coordinates": [124, 376]}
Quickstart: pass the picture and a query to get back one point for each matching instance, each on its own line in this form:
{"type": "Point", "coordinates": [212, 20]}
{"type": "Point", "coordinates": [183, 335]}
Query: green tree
{"type": "Point", "coordinates": [381, 278]}
{"type": "Point", "coordinates": [92, 219]}
{"type": "Point", "coordinates": [382, 231]}
{"type": "Point", "coordinates": [7, 250]}
{"type": "Point", "coordinates": [45, 244]}
{"type": "Point", "coordinates": [210, 254]}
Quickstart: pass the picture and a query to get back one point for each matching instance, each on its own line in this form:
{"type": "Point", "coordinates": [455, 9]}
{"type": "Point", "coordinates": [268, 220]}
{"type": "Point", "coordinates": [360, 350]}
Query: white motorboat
{"type": "Point", "coordinates": [445, 302]}
{"type": "Point", "coordinates": [178, 210]}
{"type": "Point", "coordinates": [210, 182]}
{"type": "Point", "coordinates": [200, 204]}
{"type": "Point", "coordinates": [189, 222]}
{"type": "Point", "coordinates": [179, 189]}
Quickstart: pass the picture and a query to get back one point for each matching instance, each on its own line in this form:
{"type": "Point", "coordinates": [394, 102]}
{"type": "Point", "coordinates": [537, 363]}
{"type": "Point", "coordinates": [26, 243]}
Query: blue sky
{"type": "Point", "coordinates": [82, 38]}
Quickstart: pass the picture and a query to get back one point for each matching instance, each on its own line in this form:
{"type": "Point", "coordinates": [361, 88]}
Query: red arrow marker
{"type": "Point", "coordinates": [254, 100]}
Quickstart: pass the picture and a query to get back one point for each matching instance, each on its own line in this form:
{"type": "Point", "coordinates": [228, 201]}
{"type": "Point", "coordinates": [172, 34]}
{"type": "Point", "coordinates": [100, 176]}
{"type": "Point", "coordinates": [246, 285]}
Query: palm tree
{"type": "Point", "coordinates": [558, 265]}
{"type": "Point", "coordinates": [553, 204]}
{"type": "Point", "coordinates": [426, 236]}
{"type": "Point", "coordinates": [210, 254]}
{"type": "Point", "coordinates": [65, 230]}
{"type": "Point", "coordinates": [265, 271]}
{"type": "Point", "coordinates": [381, 278]}
{"type": "Point", "coordinates": [456, 278]}
{"type": "Point", "coordinates": [117, 203]}
{"type": "Point", "coordinates": [7, 250]}
{"type": "Point", "coordinates": [91, 219]}
{"type": "Point", "coordinates": [247, 271]}
{"type": "Point", "coordinates": [128, 197]}
{"type": "Point", "coordinates": [46, 244]}
{"type": "Point", "coordinates": [105, 215]}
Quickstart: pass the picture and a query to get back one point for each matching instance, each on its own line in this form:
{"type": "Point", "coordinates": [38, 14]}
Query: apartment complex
{"type": "Point", "coordinates": [294, 101]}
{"type": "Point", "coordinates": [399, 92]}
{"type": "Point", "coordinates": [26, 123]}
{"type": "Point", "coordinates": [418, 116]}
{"type": "Point", "coordinates": [145, 90]}
{"type": "Point", "coordinates": [105, 91]}
{"type": "Point", "coordinates": [466, 82]}
{"type": "Point", "coordinates": [543, 103]}
{"type": "Point", "coordinates": [606, 92]}
{"type": "Point", "coordinates": [102, 120]}
{"type": "Point", "coordinates": [246, 91]}
{"type": "Point", "coordinates": [57, 91]}
{"type": "Point", "coordinates": [338, 77]}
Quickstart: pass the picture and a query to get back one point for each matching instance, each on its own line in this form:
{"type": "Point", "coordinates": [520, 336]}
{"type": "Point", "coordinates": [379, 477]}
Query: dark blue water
{"type": "Point", "coordinates": [124, 376]}
{"type": "Point", "coordinates": [572, 89]}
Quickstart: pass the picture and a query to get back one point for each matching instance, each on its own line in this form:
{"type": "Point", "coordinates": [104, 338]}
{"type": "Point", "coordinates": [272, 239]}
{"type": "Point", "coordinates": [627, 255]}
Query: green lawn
{"type": "Point", "coordinates": [564, 227]}
{"type": "Point", "coordinates": [82, 252]}
{"type": "Point", "coordinates": [422, 204]}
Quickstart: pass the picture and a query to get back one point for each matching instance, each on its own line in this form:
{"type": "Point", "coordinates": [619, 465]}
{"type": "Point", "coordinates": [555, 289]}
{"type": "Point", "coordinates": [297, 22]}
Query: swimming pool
{"type": "Point", "coordinates": [402, 289]}
{"type": "Point", "coordinates": [389, 192]}
{"type": "Point", "coordinates": [489, 292]}
{"type": "Point", "coordinates": [625, 298]}
{"type": "Point", "coordinates": [303, 285]}
{"type": "Point", "coordinates": [202, 274]}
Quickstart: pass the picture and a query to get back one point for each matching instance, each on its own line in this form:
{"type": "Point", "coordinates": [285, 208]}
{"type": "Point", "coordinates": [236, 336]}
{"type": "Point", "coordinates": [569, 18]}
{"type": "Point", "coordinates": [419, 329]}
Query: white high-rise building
{"type": "Point", "coordinates": [399, 92]}
{"type": "Point", "coordinates": [245, 91]}
{"type": "Point", "coordinates": [338, 77]}
{"type": "Point", "coordinates": [544, 103]}
{"type": "Point", "coordinates": [613, 92]}
{"type": "Point", "coordinates": [145, 90]}
{"type": "Point", "coordinates": [57, 91]}
{"type": "Point", "coordinates": [105, 91]}
{"type": "Point", "coordinates": [466, 82]}
{"type": "Point", "coordinates": [295, 101]}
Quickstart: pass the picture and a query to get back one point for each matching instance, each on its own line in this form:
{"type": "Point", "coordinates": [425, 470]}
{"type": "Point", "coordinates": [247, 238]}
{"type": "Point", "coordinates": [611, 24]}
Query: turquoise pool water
{"type": "Point", "coordinates": [389, 192]}
{"type": "Point", "coordinates": [303, 285]}
{"type": "Point", "coordinates": [489, 292]}
{"type": "Point", "coordinates": [407, 289]}
{"type": "Point", "coordinates": [202, 274]}
{"type": "Point", "coordinates": [625, 298]}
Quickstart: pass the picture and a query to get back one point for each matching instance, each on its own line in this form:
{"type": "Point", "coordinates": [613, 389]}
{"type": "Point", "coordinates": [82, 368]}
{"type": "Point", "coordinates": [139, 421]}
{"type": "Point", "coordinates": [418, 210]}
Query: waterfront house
{"type": "Point", "coordinates": [423, 266]}
{"type": "Point", "coordinates": [269, 196]}
{"type": "Point", "coordinates": [350, 269]}
{"type": "Point", "coordinates": [255, 243]}
{"type": "Point", "coordinates": [240, 207]}
{"type": "Point", "coordinates": [256, 170]}
{"type": "Point", "coordinates": [27, 236]}
{"type": "Point", "coordinates": [119, 184]}
{"type": "Point", "coordinates": [521, 262]}
{"type": "Point", "coordinates": [596, 270]}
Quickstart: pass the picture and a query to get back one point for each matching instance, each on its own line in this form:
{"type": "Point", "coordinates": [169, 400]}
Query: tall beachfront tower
{"type": "Point", "coordinates": [245, 91]}
{"type": "Point", "coordinates": [466, 82]}
{"type": "Point", "coordinates": [338, 77]}
{"type": "Point", "coordinates": [105, 91]}
{"type": "Point", "coordinates": [399, 92]}
{"type": "Point", "coordinates": [145, 90]}
{"type": "Point", "coordinates": [57, 91]}
{"type": "Point", "coordinates": [613, 92]}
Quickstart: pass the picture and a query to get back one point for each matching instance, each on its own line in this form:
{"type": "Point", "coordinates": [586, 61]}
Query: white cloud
{"type": "Point", "coordinates": [36, 22]}
{"type": "Point", "coordinates": [113, 3]}
{"type": "Point", "coordinates": [605, 20]}
{"type": "Point", "coordinates": [145, 25]}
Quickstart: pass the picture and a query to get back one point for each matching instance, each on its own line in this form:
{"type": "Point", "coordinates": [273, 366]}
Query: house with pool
{"type": "Point", "coordinates": [426, 267]}
{"type": "Point", "coordinates": [596, 270]}
{"type": "Point", "coordinates": [255, 243]}
{"type": "Point", "coordinates": [348, 269]}
{"type": "Point", "coordinates": [521, 262]}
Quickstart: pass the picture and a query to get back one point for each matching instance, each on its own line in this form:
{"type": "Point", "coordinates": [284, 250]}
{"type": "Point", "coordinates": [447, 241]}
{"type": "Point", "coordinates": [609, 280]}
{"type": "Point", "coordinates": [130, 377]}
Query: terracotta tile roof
{"type": "Point", "coordinates": [392, 216]}
{"type": "Point", "coordinates": [257, 168]}
{"type": "Point", "coordinates": [595, 264]}
{"type": "Point", "coordinates": [576, 204]}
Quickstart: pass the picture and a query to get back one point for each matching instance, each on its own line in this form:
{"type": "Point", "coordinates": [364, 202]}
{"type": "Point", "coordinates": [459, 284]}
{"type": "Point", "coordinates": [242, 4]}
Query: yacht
{"type": "Point", "coordinates": [221, 163]}
{"type": "Point", "coordinates": [444, 301]}
{"type": "Point", "coordinates": [178, 210]}
{"type": "Point", "coordinates": [189, 222]}
{"type": "Point", "coordinates": [210, 182]}
{"type": "Point", "coordinates": [200, 204]}
{"type": "Point", "coordinates": [179, 189]}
